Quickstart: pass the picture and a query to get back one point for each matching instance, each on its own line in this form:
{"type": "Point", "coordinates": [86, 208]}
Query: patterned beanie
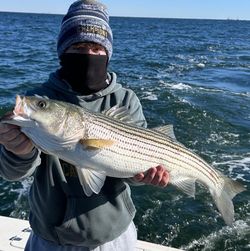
{"type": "Point", "coordinates": [86, 21]}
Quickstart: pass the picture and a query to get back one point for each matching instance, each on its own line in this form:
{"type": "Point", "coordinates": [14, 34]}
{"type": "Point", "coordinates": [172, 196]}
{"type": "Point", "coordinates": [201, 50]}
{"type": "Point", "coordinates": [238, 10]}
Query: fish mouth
{"type": "Point", "coordinates": [19, 107]}
{"type": "Point", "coordinates": [18, 114]}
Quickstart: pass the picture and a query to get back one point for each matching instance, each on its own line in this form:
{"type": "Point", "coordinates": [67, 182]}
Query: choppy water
{"type": "Point", "coordinates": [194, 74]}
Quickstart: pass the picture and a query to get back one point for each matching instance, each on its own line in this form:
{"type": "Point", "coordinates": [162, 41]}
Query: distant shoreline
{"type": "Point", "coordinates": [181, 18]}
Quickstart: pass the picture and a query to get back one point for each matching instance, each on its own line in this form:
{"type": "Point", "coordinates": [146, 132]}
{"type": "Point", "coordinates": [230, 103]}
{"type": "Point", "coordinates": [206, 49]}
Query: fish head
{"type": "Point", "coordinates": [52, 125]}
{"type": "Point", "coordinates": [35, 111]}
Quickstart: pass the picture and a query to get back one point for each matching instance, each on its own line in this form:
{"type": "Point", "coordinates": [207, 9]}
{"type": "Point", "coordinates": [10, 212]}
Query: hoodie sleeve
{"type": "Point", "coordinates": [13, 167]}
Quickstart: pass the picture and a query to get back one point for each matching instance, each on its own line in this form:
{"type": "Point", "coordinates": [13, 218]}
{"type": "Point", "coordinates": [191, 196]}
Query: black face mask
{"type": "Point", "coordinates": [85, 73]}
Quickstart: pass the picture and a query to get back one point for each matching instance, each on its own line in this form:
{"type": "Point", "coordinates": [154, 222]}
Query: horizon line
{"type": "Point", "coordinates": [191, 18]}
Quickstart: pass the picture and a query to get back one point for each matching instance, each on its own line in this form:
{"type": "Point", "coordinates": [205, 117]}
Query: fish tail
{"type": "Point", "coordinates": [223, 198]}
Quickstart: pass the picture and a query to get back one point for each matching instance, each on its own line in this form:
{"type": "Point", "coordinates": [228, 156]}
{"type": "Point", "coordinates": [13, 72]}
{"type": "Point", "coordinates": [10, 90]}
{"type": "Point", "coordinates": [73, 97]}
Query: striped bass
{"type": "Point", "coordinates": [108, 144]}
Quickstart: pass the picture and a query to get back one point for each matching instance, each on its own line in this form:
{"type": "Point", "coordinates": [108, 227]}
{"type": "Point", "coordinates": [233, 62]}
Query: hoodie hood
{"type": "Point", "coordinates": [61, 86]}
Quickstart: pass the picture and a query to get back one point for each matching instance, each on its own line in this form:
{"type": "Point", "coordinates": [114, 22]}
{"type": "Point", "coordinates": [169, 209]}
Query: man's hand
{"type": "Point", "coordinates": [14, 140]}
{"type": "Point", "coordinates": [157, 176]}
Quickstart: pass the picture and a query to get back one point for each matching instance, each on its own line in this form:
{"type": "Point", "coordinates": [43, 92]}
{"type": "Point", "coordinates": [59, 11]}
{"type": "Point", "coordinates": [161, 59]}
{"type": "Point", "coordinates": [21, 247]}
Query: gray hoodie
{"type": "Point", "coordinates": [59, 210]}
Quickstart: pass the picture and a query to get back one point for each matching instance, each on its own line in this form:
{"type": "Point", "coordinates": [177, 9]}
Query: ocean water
{"type": "Point", "coordinates": [194, 74]}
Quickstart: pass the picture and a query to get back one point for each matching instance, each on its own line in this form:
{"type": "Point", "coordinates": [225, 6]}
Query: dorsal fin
{"type": "Point", "coordinates": [119, 113]}
{"type": "Point", "coordinates": [167, 130]}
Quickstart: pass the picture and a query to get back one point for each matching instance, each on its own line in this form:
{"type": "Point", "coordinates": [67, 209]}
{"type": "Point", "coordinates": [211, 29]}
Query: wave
{"type": "Point", "coordinates": [21, 209]}
{"type": "Point", "coordinates": [181, 86]}
{"type": "Point", "coordinates": [149, 96]}
{"type": "Point", "coordinates": [224, 239]}
{"type": "Point", "coordinates": [237, 167]}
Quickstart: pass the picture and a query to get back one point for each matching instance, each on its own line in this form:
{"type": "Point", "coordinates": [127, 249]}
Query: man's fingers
{"type": "Point", "coordinates": [16, 140]}
{"type": "Point", "coordinates": [24, 147]}
{"type": "Point", "coordinates": [149, 176]}
{"type": "Point", "coordinates": [139, 177]}
{"type": "Point", "coordinates": [165, 179]}
{"type": "Point", "coordinates": [6, 127]}
{"type": "Point", "coordinates": [157, 179]}
{"type": "Point", "coordinates": [10, 135]}
{"type": "Point", "coordinates": [158, 175]}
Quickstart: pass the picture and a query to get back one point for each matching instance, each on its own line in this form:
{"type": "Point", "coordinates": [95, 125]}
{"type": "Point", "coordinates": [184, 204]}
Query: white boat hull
{"type": "Point", "coordinates": [14, 234]}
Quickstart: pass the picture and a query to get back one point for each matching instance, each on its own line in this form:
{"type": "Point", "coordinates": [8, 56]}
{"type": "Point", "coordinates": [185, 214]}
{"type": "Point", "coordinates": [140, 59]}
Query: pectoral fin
{"type": "Point", "coordinates": [96, 143]}
{"type": "Point", "coordinates": [91, 181]}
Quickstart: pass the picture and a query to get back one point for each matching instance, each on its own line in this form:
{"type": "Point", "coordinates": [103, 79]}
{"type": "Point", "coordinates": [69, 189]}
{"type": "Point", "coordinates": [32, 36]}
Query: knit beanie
{"type": "Point", "coordinates": [85, 21]}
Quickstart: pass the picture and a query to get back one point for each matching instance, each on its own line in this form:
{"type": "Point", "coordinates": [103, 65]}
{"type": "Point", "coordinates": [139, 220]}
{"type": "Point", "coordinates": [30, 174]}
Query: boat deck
{"type": "Point", "coordinates": [15, 232]}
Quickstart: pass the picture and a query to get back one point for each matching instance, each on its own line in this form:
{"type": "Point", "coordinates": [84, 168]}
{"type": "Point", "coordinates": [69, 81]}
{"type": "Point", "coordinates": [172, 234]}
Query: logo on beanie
{"type": "Point", "coordinates": [93, 30]}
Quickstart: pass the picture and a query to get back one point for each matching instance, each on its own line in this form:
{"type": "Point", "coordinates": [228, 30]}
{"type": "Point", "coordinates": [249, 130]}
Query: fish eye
{"type": "Point", "coordinates": [41, 104]}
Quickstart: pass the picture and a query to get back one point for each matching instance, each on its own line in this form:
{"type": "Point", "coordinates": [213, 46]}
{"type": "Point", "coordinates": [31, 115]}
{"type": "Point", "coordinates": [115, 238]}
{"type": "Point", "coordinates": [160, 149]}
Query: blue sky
{"type": "Point", "coordinates": [214, 9]}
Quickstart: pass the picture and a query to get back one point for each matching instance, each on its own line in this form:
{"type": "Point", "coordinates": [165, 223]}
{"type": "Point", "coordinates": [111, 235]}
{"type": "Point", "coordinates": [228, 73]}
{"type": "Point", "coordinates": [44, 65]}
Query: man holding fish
{"type": "Point", "coordinates": [62, 216]}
